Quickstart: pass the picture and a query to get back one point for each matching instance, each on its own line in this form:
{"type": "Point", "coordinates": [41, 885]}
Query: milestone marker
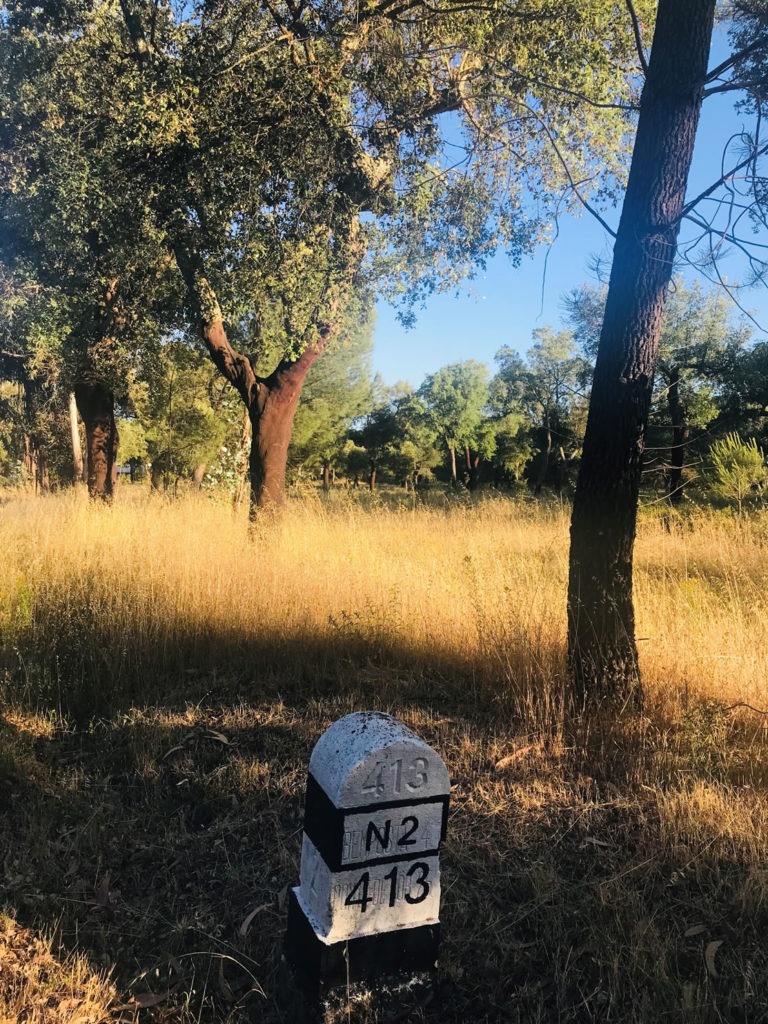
{"type": "Point", "coordinates": [369, 895]}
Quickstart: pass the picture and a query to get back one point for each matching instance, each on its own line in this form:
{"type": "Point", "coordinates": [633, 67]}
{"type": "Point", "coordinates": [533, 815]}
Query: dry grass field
{"type": "Point", "coordinates": [164, 675]}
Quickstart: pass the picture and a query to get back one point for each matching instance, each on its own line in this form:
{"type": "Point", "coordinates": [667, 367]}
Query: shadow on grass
{"type": "Point", "coordinates": [161, 841]}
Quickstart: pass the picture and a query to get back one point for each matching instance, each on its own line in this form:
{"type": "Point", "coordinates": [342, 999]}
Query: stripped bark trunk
{"type": "Point", "coordinates": [96, 405]}
{"type": "Point", "coordinates": [74, 433]}
{"type": "Point", "coordinates": [272, 411]}
{"type": "Point", "coordinates": [601, 625]}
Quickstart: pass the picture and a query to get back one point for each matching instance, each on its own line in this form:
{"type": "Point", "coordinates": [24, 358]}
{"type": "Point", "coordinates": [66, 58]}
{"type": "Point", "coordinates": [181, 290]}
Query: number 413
{"type": "Point", "coordinates": [418, 873]}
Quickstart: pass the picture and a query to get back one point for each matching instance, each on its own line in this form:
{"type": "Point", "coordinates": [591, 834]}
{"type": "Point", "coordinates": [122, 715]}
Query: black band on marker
{"type": "Point", "coordinates": [324, 826]}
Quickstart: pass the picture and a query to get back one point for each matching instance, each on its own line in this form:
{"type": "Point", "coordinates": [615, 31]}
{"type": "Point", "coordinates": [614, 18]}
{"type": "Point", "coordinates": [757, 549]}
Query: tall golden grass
{"type": "Point", "coordinates": [166, 670]}
{"type": "Point", "coordinates": [107, 600]}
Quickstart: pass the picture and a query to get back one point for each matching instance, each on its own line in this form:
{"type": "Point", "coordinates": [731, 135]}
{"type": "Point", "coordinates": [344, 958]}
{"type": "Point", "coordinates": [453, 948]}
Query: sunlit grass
{"type": "Point", "coordinates": [168, 587]}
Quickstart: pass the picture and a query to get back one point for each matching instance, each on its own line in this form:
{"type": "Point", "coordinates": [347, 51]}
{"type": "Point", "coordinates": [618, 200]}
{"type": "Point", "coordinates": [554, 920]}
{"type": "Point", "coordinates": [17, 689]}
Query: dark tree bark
{"type": "Point", "coordinates": [679, 437]}
{"type": "Point", "coordinates": [473, 469]}
{"type": "Point", "coordinates": [158, 473]}
{"type": "Point", "coordinates": [372, 478]}
{"type": "Point", "coordinates": [601, 625]}
{"type": "Point", "coordinates": [326, 476]}
{"type": "Point", "coordinates": [96, 405]}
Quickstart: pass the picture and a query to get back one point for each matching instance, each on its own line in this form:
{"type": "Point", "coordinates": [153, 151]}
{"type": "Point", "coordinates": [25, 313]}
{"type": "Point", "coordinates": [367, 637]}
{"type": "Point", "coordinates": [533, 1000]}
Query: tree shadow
{"type": "Point", "coordinates": [162, 840]}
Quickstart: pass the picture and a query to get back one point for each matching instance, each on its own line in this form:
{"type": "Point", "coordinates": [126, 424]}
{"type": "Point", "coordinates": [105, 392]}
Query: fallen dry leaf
{"type": "Point", "coordinates": [218, 736]}
{"type": "Point", "coordinates": [709, 956]}
{"type": "Point", "coordinates": [514, 757]}
{"type": "Point", "coordinates": [143, 1000]}
{"type": "Point", "coordinates": [594, 841]}
{"type": "Point", "coordinates": [243, 929]}
{"type": "Point", "coordinates": [102, 896]}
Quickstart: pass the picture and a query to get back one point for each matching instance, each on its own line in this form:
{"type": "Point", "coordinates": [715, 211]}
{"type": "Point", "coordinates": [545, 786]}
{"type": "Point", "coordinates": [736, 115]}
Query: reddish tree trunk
{"type": "Point", "coordinates": [96, 406]}
{"type": "Point", "coordinates": [372, 478]}
{"type": "Point", "coordinates": [326, 476]}
{"type": "Point", "coordinates": [601, 623]}
{"type": "Point", "coordinates": [272, 411]}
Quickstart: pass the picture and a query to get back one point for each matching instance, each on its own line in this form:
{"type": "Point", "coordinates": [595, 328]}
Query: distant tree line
{"type": "Point", "coordinates": [518, 430]}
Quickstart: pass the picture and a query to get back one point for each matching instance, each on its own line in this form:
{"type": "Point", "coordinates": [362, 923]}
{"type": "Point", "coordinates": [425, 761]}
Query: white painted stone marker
{"type": "Point", "coordinates": [369, 894]}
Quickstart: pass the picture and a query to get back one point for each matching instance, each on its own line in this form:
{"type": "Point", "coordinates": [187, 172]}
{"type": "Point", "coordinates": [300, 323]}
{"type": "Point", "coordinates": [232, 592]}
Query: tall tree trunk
{"type": "Point", "coordinates": [474, 470]}
{"type": "Point", "coordinates": [454, 476]}
{"type": "Point", "coordinates": [326, 476]}
{"type": "Point", "coordinates": [241, 463]}
{"type": "Point", "coordinates": [601, 624]}
{"type": "Point", "coordinates": [96, 405]}
{"type": "Point", "coordinates": [272, 410]}
{"type": "Point", "coordinates": [157, 474]}
{"type": "Point", "coordinates": [679, 437]}
{"type": "Point", "coordinates": [74, 433]}
{"type": "Point", "coordinates": [196, 480]}
{"type": "Point", "coordinates": [372, 478]}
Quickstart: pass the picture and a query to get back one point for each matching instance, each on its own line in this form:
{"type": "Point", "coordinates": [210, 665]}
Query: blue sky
{"type": "Point", "coordinates": [507, 304]}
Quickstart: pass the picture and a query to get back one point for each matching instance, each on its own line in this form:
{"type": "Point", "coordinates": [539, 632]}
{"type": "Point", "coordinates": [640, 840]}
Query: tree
{"type": "Point", "coordinates": [184, 409]}
{"type": "Point", "coordinates": [72, 209]}
{"type": "Point", "coordinates": [337, 391]}
{"type": "Point", "coordinates": [601, 636]}
{"type": "Point", "coordinates": [414, 448]}
{"type": "Point", "coordinates": [698, 346]}
{"type": "Point", "coordinates": [455, 397]}
{"type": "Point", "coordinates": [737, 469]}
{"type": "Point", "coordinates": [247, 141]}
{"type": "Point", "coordinates": [376, 436]}
{"type": "Point", "coordinates": [548, 386]}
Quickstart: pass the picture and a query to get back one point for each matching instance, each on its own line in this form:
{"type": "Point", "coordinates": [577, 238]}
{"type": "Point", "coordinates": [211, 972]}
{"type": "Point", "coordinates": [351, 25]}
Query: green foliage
{"type": "Point", "coordinates": [184, 410]}
{"type": "Point", "coordinates": [337, 391]}
{"type": "Point", "coordinates": [455, 397]}
{"type": "Point", "coordinates": [702, 371]}
{"type": "Point", "coordinates": [738, 470]}
{"type": "Point", "coordinates": [546, 391]}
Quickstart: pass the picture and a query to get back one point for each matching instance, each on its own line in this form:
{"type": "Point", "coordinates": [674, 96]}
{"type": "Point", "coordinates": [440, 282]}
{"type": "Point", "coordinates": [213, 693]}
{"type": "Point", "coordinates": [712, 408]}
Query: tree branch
{"type": "Point", "coordinates": [721, 181]}
{"type": "Point", "coordinates": [733, 86]}
{"type": "Point", "coordinates": [734, 59]}
{"type": "Point", "coordinates": [233, 366]}
{"type": "Point", "coordinates": [638, 36]}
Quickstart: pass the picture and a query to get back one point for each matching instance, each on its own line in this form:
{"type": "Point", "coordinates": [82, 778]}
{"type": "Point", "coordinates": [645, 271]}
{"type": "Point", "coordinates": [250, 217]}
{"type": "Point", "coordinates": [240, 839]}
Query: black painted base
{"type": "Point", "coordinates": [371, 959]}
